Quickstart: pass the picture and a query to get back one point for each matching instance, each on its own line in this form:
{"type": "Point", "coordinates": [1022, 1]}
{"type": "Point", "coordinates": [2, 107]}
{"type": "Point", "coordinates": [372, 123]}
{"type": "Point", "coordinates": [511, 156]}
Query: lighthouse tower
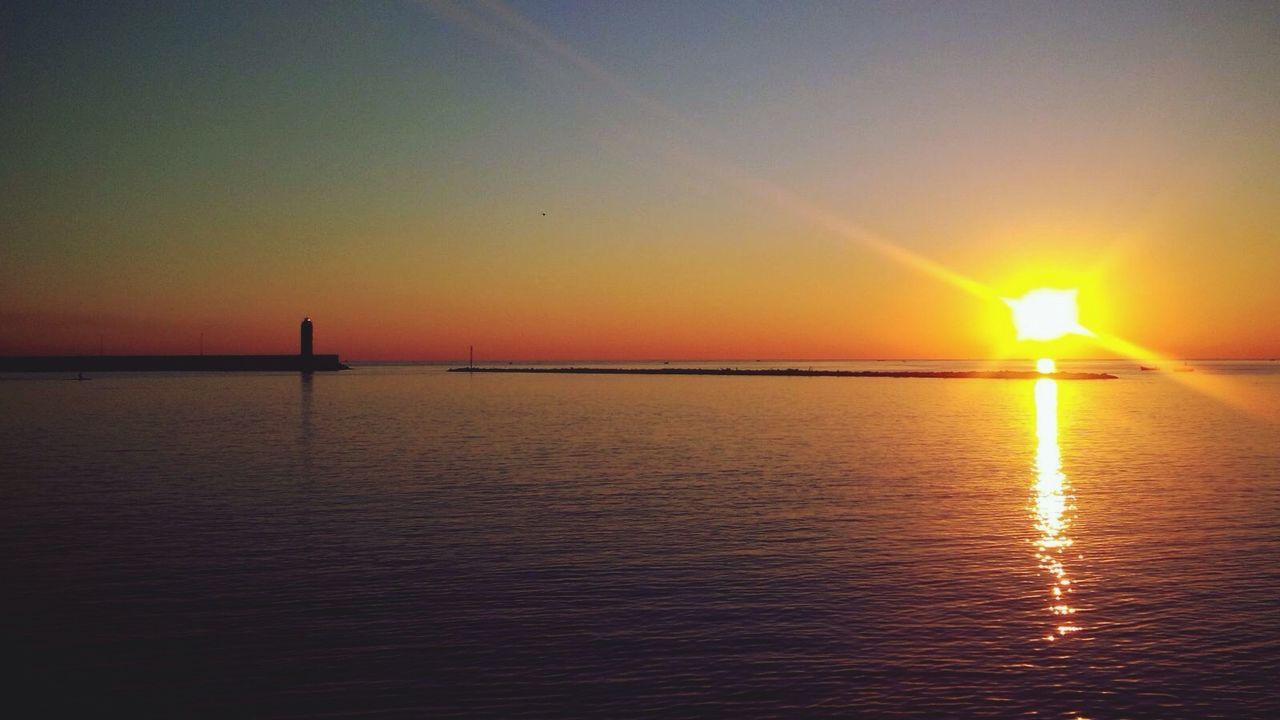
{"type": "Point", "coordinates": [306, 352]}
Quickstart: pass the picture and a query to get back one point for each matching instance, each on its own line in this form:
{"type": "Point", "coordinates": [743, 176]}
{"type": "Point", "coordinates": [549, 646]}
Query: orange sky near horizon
{"type": "Point", "coordinates": [386, 171]}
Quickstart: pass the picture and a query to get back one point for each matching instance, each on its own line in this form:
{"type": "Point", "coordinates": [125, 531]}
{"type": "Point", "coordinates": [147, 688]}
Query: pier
{"type": "Point", "coordinates": [797, 372]}
{"type": "Point", "coordinates": [304, 361]}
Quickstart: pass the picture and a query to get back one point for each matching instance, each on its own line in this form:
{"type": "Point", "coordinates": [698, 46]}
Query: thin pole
{"type": "Point", "coordinates": [471, 356]}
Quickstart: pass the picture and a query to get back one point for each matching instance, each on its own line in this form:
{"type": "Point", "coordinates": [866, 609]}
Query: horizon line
{"type": "Point", "coordinates": [447, 361]}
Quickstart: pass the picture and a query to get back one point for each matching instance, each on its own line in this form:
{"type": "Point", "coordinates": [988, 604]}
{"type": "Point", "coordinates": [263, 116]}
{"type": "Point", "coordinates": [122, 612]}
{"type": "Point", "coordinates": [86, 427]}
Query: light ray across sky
{"type": "Point", "coordinates": [501, 24]}
{"type": "Point", "coordinates": [507, 28]}
{"type": "Point", "coordinates": [798, 181]}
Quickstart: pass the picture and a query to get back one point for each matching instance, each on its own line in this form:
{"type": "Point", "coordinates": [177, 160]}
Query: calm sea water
{"type": "Point", "coordinates": [403, 542]}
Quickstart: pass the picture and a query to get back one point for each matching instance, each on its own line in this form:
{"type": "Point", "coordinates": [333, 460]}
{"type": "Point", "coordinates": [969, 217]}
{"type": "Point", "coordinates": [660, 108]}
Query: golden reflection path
{"type": "Point", "coordinates": [1053, 510]}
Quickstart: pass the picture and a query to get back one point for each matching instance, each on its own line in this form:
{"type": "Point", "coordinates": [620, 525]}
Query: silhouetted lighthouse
{"type": "Point", "coordinates": [305, 352]}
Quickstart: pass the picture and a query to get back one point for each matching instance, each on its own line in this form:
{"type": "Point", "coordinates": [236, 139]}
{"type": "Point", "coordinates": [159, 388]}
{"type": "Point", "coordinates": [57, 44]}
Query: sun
{"type": "Point", "coordinates": [1046, 314]}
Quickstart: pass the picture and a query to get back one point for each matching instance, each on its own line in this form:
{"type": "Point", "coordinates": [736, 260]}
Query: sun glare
{"type": "Point", "coordinates": [1046, 366]}
{"type": "Point", "coordinates": [1046, 314]}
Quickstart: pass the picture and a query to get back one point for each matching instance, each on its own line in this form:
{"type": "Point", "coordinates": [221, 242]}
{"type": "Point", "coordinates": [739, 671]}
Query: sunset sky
{"type": "Point", "coordinates": [719, 180]}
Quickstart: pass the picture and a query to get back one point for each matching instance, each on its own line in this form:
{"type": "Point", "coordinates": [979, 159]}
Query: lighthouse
{"type": "Point", "coordinates": [305, 351]}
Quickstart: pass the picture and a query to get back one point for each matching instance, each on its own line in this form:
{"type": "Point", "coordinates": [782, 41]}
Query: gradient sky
{"type": "Point", "coordinates": [720, 180]}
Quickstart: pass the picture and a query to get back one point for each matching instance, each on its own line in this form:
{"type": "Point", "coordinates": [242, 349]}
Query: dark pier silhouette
{"type": "Point", "coordinates": [305, 361]}
{"type": "Point", "coordinates": [796, 372]}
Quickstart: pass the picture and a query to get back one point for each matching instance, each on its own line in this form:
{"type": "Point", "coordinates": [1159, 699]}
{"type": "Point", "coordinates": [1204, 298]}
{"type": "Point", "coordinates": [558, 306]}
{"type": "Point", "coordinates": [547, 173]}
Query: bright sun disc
{"type": "Point", "coordinates": [1046, 314]}
{"type": "Point", "coordinates": [1046, 366]}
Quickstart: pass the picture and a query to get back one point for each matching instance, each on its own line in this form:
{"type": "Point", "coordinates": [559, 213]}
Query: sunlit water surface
{"type": "Point", "coordinates": [399, 541]}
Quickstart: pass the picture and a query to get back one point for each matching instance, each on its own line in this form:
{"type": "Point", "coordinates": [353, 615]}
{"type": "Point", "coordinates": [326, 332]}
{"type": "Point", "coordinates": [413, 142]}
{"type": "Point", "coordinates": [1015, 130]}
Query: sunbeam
{"type": "Point", "coordinates": [502, 25]}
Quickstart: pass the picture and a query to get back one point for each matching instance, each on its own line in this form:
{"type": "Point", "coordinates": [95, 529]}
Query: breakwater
{"type": "Point", "coordinates": [797, 372]}
{"type": "Point", "coordinates": [171, 363]}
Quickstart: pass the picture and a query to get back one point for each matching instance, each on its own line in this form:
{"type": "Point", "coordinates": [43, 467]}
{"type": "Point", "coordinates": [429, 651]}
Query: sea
{"type": "Point", "coordinates": [398, 541]}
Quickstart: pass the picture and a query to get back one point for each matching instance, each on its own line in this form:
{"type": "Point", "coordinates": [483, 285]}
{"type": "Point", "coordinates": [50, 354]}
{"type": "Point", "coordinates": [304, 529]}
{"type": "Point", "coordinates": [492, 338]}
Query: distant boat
{"type": "Point", "coordinates": [1148, 369]}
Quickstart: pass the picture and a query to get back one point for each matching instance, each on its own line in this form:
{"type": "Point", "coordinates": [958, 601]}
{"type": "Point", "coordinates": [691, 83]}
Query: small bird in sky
{"type": "Point", "coordinates": [544, 214]}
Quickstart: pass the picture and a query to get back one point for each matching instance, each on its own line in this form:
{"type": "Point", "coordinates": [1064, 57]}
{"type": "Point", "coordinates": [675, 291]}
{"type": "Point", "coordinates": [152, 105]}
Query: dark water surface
{"type": "Point", "coordinates": [402, 542]}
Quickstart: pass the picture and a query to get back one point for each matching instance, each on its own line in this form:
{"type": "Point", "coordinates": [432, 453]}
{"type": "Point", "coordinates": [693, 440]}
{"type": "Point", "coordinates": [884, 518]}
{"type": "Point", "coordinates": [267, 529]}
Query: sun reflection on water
{"type": "Point", "coordinates": [1053, 509]}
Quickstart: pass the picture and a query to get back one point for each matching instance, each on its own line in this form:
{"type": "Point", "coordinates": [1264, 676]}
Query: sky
{"type": "Point", "coordinates": [653, 180]}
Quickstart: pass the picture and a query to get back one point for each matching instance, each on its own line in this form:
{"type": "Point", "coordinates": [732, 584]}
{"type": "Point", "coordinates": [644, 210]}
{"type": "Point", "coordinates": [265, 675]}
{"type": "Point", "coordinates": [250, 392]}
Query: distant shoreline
{"type": "Point", "coordinates": [797, 372]}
